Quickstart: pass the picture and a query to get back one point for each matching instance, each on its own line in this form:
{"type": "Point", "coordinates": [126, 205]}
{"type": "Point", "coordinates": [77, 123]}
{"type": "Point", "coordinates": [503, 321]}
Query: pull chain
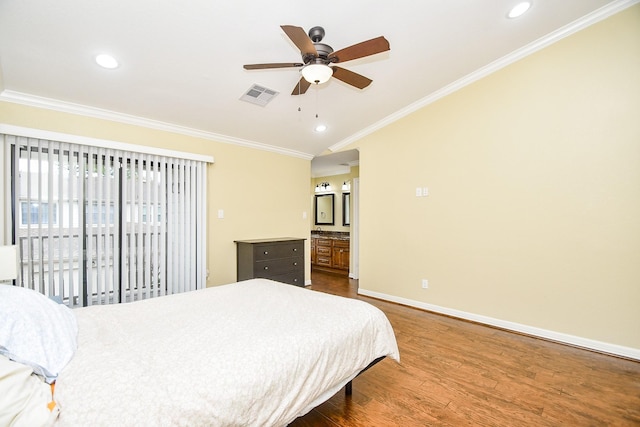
{"type": "Point", "coordinates": [316, 102]}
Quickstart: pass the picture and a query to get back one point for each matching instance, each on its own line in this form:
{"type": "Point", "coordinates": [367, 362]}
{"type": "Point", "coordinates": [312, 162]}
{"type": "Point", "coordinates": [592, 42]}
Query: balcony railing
{"type": "Point", "coordinates": [60, 265]}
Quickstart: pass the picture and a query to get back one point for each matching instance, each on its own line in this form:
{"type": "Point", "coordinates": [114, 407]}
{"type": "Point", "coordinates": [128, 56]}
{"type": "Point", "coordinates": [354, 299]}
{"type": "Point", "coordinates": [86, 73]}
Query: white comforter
{"type": "Point", "coordinates": [253, 353]}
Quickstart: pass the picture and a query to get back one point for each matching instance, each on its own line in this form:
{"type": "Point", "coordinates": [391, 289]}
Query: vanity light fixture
{"type": "Point", "coordinates": [106, 61]}
{"type": "Point", "coordinates": [519, 9]}
{"type": "Point", "coordinates": [322, 187]}
{"type": "Point", "coordinates": [346, 186]}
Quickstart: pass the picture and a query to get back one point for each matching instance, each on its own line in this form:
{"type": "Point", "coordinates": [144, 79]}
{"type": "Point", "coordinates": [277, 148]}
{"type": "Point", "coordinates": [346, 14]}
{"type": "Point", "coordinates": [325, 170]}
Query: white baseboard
{"type": "Point", "coordinates": [618, 350]}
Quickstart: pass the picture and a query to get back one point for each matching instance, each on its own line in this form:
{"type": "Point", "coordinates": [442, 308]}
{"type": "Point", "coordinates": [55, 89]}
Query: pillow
{"type": "Point", "coordinates": [25, 400]}
{"type": "Point", "coordinates": [36, 331]}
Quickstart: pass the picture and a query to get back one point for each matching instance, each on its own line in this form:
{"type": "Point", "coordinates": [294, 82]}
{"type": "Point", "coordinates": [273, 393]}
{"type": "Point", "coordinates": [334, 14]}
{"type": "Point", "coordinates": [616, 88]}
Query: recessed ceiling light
{"type": "Point", "coordinates": [320, 128]}
{"type": "Point", "coordinates": [519, 9]}
{"type": "Point", "coordinates": [106, 61]}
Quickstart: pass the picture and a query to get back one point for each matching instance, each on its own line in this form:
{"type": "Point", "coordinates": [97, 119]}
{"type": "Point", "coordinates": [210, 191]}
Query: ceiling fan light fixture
{"type": "Point", "coordinates": [317, 73]}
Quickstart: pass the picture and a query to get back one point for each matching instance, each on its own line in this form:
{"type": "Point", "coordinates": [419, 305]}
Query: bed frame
{"type": "Point", "coordinates": [348, 388]}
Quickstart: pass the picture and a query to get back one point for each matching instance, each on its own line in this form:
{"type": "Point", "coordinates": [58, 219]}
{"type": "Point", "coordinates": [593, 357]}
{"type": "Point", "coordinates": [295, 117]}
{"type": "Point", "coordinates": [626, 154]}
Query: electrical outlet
{"type": "Point", "coordinates": [425, 284]}
{"type": "Point", "coordinates": [418, 192]}
{"type": "Point", "coordinates": [425, 191]}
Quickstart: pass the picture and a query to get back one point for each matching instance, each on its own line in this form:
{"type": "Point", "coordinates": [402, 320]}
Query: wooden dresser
{"type": "Point", "coordinates": [280, 259]}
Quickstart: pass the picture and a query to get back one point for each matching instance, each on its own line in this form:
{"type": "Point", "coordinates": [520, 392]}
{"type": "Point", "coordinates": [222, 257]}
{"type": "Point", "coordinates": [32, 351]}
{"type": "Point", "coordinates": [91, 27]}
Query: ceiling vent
{"type": "Point", "coordinates": [259, 95]}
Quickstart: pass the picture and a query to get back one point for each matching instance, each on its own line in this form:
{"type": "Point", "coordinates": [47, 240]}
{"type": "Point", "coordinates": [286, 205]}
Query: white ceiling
{"type": "Point", "coordinates": [181, 61]}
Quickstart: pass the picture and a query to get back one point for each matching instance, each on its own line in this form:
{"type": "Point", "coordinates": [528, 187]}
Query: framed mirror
{"type": "Point", "coordinates": [324, 209]}
{"type": "Point", "coordinates": [346, 209]}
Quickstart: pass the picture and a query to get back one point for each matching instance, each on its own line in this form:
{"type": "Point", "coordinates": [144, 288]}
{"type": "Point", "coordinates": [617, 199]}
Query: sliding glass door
{"type": "Point", "coordinates": [101, 226]}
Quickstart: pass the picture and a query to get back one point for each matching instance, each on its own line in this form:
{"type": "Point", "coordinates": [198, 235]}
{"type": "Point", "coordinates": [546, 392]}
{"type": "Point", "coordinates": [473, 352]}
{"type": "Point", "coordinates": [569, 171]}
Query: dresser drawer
{"type": "Point", "coordinates": [268, 268]}
{"type": "Point", "coordinates": [280, 250]}
{"type": "Point", "coordinates": [291, 278]}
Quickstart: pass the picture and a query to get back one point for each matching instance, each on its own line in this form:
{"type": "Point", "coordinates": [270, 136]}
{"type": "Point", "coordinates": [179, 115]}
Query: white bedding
{"type": "Point", "coordinates": [253, 353]}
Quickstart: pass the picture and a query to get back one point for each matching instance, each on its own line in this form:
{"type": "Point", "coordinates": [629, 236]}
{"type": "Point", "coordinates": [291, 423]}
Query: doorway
{"type": "Point", "coordinates": [337, 174]}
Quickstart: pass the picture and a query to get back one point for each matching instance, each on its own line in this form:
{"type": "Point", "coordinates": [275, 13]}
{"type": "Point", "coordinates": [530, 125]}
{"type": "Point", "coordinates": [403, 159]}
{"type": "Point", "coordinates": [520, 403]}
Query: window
{"type": "Point", "coordinates": [95, 225]}
{"type": "Point", "coordinates": [38, 213]}
{"type": "Point", "coordinates": [100, 214]}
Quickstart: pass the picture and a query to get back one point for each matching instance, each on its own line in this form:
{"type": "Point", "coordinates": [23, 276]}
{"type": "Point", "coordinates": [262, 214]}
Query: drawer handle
{"type": "Point", "coordinates": [266, 267]}
{"type": "Point", "coordinates": [295, 263]}
{"type": "Point", "coordinates": [295, 249]}
{"type": "Point", "coordinates": [266, 252]}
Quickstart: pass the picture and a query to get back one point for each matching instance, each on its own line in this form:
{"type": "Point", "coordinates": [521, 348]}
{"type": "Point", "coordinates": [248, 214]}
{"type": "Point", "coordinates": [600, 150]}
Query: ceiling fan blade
{"type": "Point", "coordinates": [360, 50]}
{"type": "Point", "coordinates": [349, 77]}
{"type": "Point", "coordinates": [301, 87]}
{"type": "Point", "coordinates": [300, 38]}
{"type": "Point", "coordinates": [274, 65]}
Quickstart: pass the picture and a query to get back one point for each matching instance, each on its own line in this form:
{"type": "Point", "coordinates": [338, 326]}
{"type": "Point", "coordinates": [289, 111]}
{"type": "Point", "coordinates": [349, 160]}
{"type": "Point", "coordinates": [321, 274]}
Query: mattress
{"type": "Point", "coordinates": [252, 353]}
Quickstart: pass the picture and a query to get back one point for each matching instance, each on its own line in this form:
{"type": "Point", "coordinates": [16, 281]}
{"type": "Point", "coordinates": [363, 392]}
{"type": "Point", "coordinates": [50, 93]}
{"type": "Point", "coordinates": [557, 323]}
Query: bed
{"type": "Point", "coordinates": [255, 353]}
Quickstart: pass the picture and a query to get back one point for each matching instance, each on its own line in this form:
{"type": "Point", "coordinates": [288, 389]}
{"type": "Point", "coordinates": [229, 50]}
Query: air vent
{"type": "Point", "coordinates": [258, 95]}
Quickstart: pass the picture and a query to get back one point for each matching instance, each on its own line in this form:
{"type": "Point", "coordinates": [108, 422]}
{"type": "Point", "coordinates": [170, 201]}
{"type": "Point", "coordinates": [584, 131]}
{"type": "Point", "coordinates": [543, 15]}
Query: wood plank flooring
{"type": "Point", "coordinates": [457, 373]}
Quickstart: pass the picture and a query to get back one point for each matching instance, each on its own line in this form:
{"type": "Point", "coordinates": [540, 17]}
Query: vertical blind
{"type": "Point", "coordinates": [95, 225]}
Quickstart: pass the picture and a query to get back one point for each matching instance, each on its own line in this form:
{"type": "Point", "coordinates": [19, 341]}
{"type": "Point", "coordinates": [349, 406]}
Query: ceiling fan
{"type": "Point", "coordinates": [317, 57]}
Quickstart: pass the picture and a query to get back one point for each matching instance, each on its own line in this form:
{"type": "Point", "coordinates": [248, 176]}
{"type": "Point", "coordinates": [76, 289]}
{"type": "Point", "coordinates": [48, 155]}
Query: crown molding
{"type": "Point", "coordinates": [551, 38]}
{"type": "Point", "coordinates": [96, 142]}
{"type": "Point", "coordinates": [98, 113]}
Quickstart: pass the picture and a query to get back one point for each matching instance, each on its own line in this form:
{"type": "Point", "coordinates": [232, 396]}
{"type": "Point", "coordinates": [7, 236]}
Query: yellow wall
{"type": "Point", "coordinates": [533, 215]}
{"type": "Point", "coordinates": [534, 179]}
{"type": "Point", "coordinates": [263, 194]}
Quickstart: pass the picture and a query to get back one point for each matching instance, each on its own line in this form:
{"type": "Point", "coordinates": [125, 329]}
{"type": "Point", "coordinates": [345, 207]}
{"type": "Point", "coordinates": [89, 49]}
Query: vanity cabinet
{"type": "Point", "coordinates": [324, 252]}
{"type": "Point", "coordinates": [280, 259]}
{"type": "Point", "coordinates": [340, 254]}
{"type": "Point", "coordinates": [330, 254]}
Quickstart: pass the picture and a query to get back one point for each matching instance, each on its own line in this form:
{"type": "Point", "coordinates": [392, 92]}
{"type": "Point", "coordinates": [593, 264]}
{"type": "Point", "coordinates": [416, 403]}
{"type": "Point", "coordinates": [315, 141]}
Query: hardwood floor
{"type": "Point", "coordinates": [455, 373]}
